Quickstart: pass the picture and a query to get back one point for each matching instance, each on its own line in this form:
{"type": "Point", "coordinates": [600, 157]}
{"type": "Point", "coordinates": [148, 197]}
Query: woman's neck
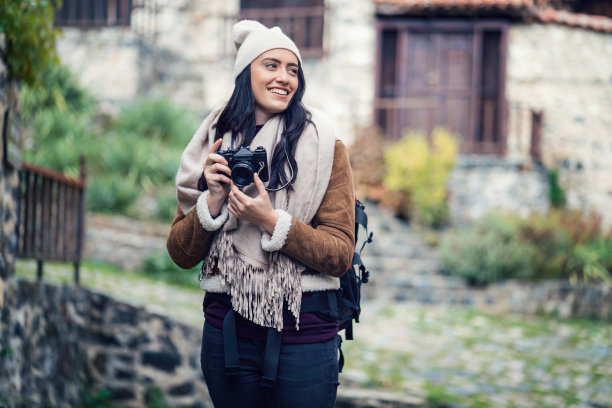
{"type": "Point", "coordinates": [261, 117]}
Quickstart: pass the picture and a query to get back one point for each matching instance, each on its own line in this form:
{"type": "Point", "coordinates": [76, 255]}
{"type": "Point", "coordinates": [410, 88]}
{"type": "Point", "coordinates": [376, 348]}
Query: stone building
{"type": "Point", "coordinates": [525, 82]}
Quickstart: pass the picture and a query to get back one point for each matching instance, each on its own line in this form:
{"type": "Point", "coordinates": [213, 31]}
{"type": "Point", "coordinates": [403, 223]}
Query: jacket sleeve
{"type": "Point", "coordinates": [327, 245]}
{"type": "Point", "coordinates": [188, 242]}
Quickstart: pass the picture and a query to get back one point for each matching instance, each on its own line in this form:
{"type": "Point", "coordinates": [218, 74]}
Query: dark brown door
{"type": "Point", "coordinates": [442, 74]}
{"type": "Point", "coordinates": [437, 83]}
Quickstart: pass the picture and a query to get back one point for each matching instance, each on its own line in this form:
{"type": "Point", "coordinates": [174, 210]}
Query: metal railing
{"type": "Point", "coordinates": [51, 216]}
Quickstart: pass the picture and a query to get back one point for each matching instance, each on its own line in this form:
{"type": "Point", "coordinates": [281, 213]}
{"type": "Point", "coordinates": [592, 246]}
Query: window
{"type": "Point", "coordinates": [301, 20]}
{"type": "Point", "coordinates": [94, 13]}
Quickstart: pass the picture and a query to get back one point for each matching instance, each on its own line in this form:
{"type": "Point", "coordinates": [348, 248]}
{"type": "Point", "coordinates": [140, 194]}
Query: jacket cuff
{"type": "Point", "coordinates": [208, 222]}
{"type": "Point", "coordinates": [281, 231]}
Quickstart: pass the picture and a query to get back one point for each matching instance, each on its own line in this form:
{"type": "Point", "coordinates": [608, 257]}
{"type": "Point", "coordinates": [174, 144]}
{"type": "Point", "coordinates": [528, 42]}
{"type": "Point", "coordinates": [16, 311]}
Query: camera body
{"type": "Point", "coordinates": [244, 162]}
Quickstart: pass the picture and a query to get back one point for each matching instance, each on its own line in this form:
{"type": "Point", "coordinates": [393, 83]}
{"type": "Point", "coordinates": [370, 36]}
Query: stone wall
{"type": "Point", "coordinates": [480, 184]}
{"type": "Point", "coordinates": [9, 180]}
{"type": "Point", "coordinates": [59, 342]}
{"type": "Point", "coordinates": [123, 241]}
{"type": "Point", "coordinates": [566, 73]}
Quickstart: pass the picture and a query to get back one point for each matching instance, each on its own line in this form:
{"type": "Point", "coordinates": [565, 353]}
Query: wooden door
{"type": "Point", "coordinates": [443, 73]}
{"type": "Point", "coordinates": [437, 81]}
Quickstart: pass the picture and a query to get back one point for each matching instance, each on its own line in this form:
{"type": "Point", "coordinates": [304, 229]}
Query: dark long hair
{"type": "Point", "coordinates": [238, 116]}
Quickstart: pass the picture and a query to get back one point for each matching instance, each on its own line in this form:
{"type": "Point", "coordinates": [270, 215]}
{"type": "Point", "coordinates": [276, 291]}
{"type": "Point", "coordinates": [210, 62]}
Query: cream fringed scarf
{"type": "Point", "coordinates": [261, 281]}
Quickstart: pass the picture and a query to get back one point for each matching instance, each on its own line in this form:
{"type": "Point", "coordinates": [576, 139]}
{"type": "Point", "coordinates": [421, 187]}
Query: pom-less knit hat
{"type": "Point", "coordinates": [253, 39]}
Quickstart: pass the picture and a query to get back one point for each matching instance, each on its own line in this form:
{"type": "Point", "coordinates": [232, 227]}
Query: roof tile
{"type": "Point", "coordinates": [596, 23]}
{"type": "Point", "coordinates": [532, 10]}
{"type": "Point", "coordinates": [459, 4]}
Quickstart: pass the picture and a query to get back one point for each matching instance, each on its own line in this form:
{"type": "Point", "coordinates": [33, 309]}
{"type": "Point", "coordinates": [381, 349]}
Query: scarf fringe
{"type": "Point", "coordinates": [257, 294]}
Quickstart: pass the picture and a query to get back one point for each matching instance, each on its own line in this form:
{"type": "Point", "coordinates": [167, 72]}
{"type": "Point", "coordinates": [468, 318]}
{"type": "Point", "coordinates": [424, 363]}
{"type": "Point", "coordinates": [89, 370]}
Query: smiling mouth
{"type": "Point", "coordinates": [278, 91]}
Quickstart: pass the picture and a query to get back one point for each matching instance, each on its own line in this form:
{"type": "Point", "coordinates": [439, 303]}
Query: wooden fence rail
{"type": "Point", "coordinates": [51, 221]}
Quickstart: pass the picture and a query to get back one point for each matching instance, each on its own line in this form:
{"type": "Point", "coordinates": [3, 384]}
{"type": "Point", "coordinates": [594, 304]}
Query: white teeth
{"type": "Point", "coordinates": [278, 91]}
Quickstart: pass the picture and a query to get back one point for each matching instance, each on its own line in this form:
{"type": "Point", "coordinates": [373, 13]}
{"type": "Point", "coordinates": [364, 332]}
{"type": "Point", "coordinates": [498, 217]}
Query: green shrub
{"type": "Point", "coordinates": [30, 38]}
{"type": "Point", "coordinates": [157, 120]}
{"type": "Point", "coordinates": [57, 119]}
{"type": "Point", "coordinates": [151, 162]}
{"type": "Point", "coordinates": [556, 194]}
{"type": "Point", "coordinates": [568, 246]}
{"type": "Point", "coordinates": [102, 398]}
{"type": "Point", "coordinates": [154, 398]}
{"type": "Point", "coordinates": [58, 142]}
{"type": "Point", "coordinates": [558, 245]}
{"type": "Point", "coordinates": [419, 172]}
{"type": "Point", "coordinates": [488, 251]}
{"type": "Point", "coordinates": [134, 154]}
{"type": "Point", "coordinates": [111, 194]}
{"type": "Point", "coordinates": [166, 206]}
{"type": "Point", "coordinates": [586, 263]}
{"type": "Point", "coordinates": [552, 242]}
{"type": "Point", "coordinates": [60, 91]}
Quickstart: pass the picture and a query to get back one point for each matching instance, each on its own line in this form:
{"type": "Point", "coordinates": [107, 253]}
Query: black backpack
{"type": "Point", "coordinates": [349, 299]}
{"type": "Point", "coordinates": [343, 306]}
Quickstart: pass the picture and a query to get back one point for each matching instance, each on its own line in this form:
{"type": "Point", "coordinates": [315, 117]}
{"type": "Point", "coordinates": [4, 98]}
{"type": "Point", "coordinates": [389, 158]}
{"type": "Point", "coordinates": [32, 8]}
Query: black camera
{"type": "Point", "coordinates": [244, 162]}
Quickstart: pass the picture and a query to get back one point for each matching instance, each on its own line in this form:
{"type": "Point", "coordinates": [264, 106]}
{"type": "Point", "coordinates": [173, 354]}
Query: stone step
{"type": "Point", "coordinates": [393, 265]}
{"type": "Point", "coordinates": [370, 398]}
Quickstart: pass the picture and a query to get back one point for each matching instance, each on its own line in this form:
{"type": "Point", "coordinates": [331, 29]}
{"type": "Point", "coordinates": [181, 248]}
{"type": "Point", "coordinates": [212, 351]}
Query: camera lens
{"type": "Point", "coordinates": [242, 174]}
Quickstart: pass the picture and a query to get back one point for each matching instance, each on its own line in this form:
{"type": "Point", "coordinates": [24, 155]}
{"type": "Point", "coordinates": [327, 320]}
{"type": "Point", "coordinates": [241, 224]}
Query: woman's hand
{"type": "Point", "coordinates": [217, 176]}
{"type": "Point", "coordinates": [257, 210]}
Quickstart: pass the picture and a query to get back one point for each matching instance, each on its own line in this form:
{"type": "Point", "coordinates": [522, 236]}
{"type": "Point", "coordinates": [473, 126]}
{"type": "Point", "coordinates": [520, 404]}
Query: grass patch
{"type": "Point", "coordinates": [182, 300]}
{"type": "Point", "coordinates": [438, 397]}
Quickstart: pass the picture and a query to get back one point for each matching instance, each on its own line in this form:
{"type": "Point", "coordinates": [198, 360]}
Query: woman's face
{"type": "Point", "coordinates": [274, 80]}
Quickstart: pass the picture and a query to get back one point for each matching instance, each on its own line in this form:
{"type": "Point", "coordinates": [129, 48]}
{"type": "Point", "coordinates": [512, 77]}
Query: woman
{"type": "Point", "coordinates": [271, 251]}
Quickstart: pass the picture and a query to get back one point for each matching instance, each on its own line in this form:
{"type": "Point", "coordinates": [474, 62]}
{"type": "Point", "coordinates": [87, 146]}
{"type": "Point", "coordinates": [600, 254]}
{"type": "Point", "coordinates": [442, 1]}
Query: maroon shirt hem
{"type": "Point", "coordinates": [313, 329]}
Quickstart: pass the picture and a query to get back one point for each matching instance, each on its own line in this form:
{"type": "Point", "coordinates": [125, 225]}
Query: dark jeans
{"type": "Point", "coordinates": [307, 374]}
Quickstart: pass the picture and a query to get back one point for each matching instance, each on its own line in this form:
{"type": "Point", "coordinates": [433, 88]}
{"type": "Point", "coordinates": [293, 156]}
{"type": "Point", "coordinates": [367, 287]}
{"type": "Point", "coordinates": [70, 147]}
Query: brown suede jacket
{"type": "Point", "coordinates": [326, 245]}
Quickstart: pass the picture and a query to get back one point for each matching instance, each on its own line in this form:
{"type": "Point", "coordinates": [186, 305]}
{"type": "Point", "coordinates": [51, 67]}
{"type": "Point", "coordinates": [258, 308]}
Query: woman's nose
{"type": "Point", "coordinates": [283, 76]}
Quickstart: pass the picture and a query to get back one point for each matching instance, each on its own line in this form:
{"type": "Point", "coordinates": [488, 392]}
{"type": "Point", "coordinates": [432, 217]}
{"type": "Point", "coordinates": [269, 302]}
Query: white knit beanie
{"type": "Point", "coordinates": [253, 39]}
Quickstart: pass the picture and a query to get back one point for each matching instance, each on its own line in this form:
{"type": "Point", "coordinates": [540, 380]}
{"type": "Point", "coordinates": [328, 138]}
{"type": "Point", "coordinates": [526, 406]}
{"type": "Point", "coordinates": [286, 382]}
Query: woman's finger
{"type": "Point", "coordinates": [218, 168]}
{"type": "Point", "coordinates": [217, 178]}
{"type": "Point", "coordinates": [234, 210]}
{"type": "Point", "coordinates": [216, 146]}
{"type": "Point", "coordinates": [215, 158]}
{"type": "Point", "coordinates": [235, 200]}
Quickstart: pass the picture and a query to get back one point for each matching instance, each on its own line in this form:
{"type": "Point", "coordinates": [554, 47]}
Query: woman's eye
{"type": "Point", "coordinates": [271, 66]}
{"type": "Point", "coordinates": [293, 71]}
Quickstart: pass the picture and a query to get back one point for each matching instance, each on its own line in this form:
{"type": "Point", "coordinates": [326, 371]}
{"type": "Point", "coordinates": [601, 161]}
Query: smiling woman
{"type": "Point", "coordinates": [274, 80]}
{"type": "Point", "coordinates": [273, 249]}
